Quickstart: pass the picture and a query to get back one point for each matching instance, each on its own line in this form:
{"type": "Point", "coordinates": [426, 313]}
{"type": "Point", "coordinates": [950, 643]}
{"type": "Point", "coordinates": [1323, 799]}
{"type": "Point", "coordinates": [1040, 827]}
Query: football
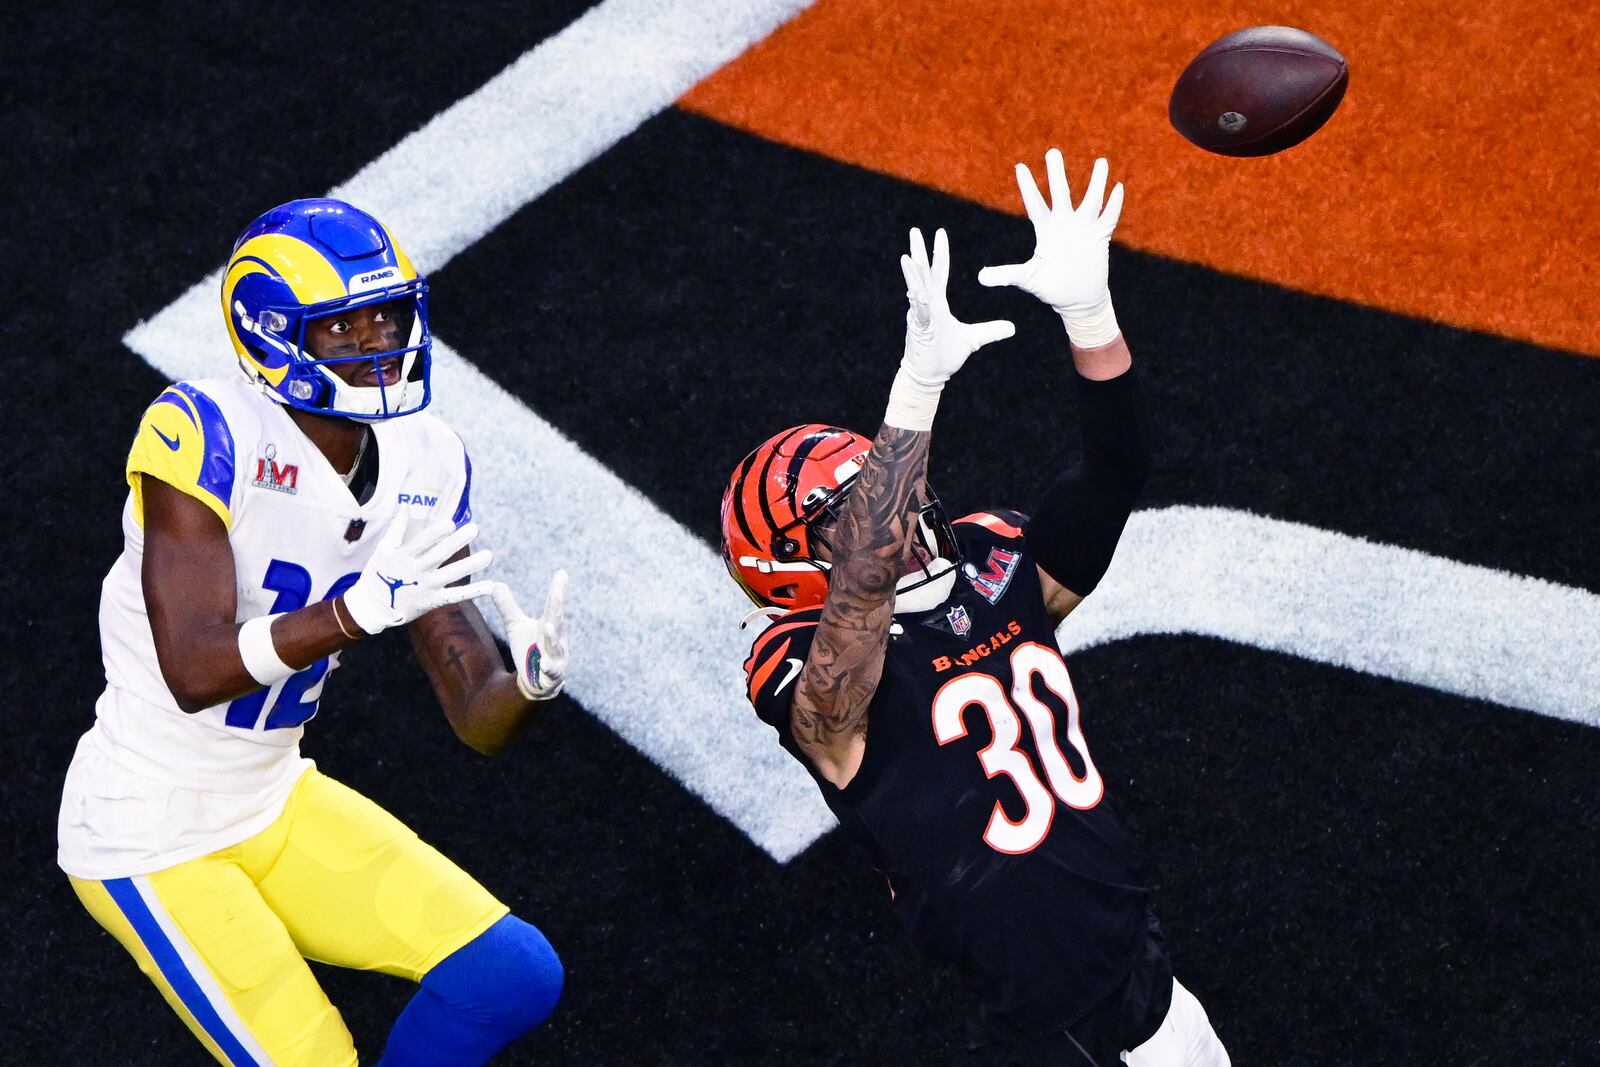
{"type": "Point", "coordinates": [1258, 91]}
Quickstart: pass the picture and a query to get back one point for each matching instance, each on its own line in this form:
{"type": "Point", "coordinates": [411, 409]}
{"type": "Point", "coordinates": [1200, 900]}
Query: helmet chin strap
{"type": "Point", "coordinates": [916, 593]}
{"type": "Point", "coordinates": [369, 399]}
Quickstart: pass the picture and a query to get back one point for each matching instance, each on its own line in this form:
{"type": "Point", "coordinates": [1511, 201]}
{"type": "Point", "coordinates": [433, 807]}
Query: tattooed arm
{"type": "Point", "coordinates": [479, 696]}
{"type": "Point", "coordinates": [487, 705]}
{"type": "Point", "coordinates": [828, 718]}
{"type": "Point", "coordinates": [829, 715]}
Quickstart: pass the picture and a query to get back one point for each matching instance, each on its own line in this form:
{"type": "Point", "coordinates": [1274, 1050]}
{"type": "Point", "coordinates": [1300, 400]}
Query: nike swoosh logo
{"type": "Point", "coordinates": [794, 669]}
{"type": "Point", "coordinates": [170, 442]}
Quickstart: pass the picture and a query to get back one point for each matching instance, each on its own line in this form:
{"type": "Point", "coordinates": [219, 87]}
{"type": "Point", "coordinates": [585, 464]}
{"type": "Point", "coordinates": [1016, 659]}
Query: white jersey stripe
{"type": "Point", "coordinates": [201, 973]}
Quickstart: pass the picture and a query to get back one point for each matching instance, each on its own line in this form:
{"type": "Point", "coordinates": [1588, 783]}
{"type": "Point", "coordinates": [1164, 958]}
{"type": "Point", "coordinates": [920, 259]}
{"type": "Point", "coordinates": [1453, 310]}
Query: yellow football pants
{"type": "Point", "coordinates": [335, 879]}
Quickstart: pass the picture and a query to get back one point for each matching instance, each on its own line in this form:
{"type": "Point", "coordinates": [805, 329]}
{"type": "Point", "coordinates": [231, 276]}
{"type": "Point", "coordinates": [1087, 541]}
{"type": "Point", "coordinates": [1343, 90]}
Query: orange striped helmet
{"type": "Point", "coordinates": [790, 480]}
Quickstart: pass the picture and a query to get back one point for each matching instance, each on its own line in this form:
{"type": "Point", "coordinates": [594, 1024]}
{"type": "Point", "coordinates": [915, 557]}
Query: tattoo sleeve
{"type": "Point", "coordinates": [871, 541]}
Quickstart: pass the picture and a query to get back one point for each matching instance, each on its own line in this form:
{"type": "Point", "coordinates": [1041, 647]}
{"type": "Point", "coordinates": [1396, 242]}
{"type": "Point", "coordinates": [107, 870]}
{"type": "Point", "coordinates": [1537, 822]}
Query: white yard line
{"type": "Point", "coordinates": [556, 108]}
{"type": "Point", "coordinates": [657, 654]}
{"type": "Point", "coordinates": [1325, 596]}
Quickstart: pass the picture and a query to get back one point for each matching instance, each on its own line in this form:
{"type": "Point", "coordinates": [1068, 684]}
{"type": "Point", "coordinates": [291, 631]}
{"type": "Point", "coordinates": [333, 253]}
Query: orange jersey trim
{"type": "Point", "coordinates": [765, 639]}
{"type": "Point", "coordinates": [759, 678]}
{"type": "Point", "coordinates": [990, 521]}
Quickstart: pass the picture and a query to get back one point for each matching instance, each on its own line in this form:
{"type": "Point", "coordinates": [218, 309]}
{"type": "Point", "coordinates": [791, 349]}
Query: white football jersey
{"type": "Point", "coordinates": [150, 785]}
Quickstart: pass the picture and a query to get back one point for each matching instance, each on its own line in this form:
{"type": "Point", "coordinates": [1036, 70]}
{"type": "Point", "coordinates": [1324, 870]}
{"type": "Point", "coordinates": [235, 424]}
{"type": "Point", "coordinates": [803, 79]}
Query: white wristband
{"type": "Point", "coordinates": [260, 656]}
{"type": "Point", "coordinates": [912, 402]}
{"type": "Point", "coordinates": [1092, 327]}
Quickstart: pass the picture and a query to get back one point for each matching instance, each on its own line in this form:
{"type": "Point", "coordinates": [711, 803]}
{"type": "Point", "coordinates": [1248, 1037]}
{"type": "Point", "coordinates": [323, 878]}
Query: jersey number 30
{"type": "Point", "coordinates": [1002, 756]}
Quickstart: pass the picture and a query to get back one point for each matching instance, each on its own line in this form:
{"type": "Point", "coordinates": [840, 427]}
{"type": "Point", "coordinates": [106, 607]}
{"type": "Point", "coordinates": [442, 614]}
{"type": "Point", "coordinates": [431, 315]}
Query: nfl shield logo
{"type": "Point", "coordinates": [959, 622]}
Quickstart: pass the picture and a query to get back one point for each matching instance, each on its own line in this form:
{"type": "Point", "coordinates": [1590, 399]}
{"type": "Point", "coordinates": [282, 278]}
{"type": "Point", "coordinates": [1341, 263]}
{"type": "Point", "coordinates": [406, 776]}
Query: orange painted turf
{"type": "Point", "coordinates": [1458, 181]}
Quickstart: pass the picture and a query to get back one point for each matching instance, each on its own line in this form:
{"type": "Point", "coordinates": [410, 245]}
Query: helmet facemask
{"type": "Point", "coordinates": [933, 553]}
{"type": "Point", "coordinates": [313, 383]}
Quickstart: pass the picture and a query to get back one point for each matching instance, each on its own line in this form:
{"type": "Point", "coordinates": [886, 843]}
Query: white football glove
{"type": "Point", "coordinates": [538, 645]}
{"type": "Point", "coordinates": [1069, 267]}
{"type": "Point", "coordinates": [405, 580]}
{"type": "Point", "coordinates": [937, 343]}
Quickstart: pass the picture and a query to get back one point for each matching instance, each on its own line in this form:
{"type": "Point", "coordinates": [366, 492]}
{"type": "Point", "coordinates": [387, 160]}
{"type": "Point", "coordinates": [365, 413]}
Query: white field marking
{"type": "Point", "coordinates": [560, 105]}
{"type": "Point", "coordinates": [1324, 596]}
{"type": "Point", "coordinates": [557, 107]}
{"type": "Point", "coordinates": [656, 650]}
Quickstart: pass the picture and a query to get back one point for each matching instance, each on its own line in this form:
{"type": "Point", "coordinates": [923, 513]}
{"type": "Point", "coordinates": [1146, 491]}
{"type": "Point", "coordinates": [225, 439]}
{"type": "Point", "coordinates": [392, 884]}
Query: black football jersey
{"type": "Point", "coordinates": [977, 794]}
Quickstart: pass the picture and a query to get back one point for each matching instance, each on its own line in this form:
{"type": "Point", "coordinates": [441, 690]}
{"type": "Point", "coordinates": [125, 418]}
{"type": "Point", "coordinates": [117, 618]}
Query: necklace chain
{"type": "Point", "coordinates": [361, 451]}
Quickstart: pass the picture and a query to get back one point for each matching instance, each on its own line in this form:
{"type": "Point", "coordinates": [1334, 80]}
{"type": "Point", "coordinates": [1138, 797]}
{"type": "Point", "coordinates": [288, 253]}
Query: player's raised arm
{"type": "Point", "coordinates": [1075, 528]}
{"type": "Point", "coordinates": [872, 538]}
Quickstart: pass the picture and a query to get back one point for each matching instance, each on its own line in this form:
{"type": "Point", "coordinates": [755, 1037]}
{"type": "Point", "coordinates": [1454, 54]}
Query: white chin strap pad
{"type": "Point", "coordinates": [368, 399]}
{"type": "Point", "coordinates": [918, 593]}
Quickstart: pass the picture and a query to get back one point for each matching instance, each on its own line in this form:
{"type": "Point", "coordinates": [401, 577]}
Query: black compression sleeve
{"type": "Point", "coordinates": [1075, 529]}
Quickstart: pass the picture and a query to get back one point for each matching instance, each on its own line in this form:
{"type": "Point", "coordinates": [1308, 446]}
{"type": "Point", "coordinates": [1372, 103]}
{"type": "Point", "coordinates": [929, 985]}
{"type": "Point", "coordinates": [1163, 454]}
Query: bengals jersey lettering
{"type": "Point", "coordinates": [151, 785]}
{"type": "Point", "coordinates": [977, 793]}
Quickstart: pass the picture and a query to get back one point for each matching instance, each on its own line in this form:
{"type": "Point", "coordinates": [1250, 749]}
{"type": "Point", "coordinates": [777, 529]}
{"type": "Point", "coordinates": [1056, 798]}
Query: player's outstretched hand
{"type": "Point", "coordinates": [538, 645]}
{"type": "Point", "coordinates": [937, 343]}
{"type": "Point", "coordinates": [405, 580]}
{"type": "Point", "coordinates": [1069, 268]}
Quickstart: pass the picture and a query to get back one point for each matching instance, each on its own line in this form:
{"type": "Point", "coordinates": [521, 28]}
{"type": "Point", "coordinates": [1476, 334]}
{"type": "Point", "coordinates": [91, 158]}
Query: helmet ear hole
{"type": "Point", "coordinates": [784, 592]}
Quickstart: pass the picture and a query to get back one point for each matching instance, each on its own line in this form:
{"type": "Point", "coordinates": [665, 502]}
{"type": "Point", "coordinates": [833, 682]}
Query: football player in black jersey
{"type": "Point", "coordinates": [911, 666]}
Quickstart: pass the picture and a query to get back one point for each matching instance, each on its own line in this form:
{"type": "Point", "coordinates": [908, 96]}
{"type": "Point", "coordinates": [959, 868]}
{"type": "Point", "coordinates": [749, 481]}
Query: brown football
{"type": "Point", "coordinates": [1258, 91]}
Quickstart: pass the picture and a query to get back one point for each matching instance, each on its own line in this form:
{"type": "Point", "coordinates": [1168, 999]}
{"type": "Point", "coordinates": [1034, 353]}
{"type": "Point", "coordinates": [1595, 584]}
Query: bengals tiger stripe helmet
{"type": "Point", "coordinates": [779, 504]}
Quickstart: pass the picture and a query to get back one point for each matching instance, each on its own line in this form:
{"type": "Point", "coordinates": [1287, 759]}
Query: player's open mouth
{"type": "Point", "coordinates": [920, 556]}
{"type": "Point", "coordinates": [390, 367]}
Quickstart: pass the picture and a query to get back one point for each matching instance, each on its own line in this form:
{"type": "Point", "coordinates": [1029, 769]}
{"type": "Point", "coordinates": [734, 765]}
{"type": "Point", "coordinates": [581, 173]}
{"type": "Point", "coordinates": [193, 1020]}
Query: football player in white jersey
{"type": "Point", "coordinates": [271, 521]}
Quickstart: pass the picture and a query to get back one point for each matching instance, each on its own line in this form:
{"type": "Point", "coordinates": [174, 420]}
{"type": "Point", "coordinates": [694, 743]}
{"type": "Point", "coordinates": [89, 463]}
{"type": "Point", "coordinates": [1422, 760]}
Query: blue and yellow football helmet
{"type": "Point", "coordinates": [307, 260]}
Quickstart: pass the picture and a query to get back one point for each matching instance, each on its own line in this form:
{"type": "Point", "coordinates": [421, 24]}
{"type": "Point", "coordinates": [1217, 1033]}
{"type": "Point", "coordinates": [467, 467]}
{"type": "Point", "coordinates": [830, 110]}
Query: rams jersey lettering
{"type": "Point", "coordinates": [151, 786]}
{"type": "Point", "coordinates": [977, 793]}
